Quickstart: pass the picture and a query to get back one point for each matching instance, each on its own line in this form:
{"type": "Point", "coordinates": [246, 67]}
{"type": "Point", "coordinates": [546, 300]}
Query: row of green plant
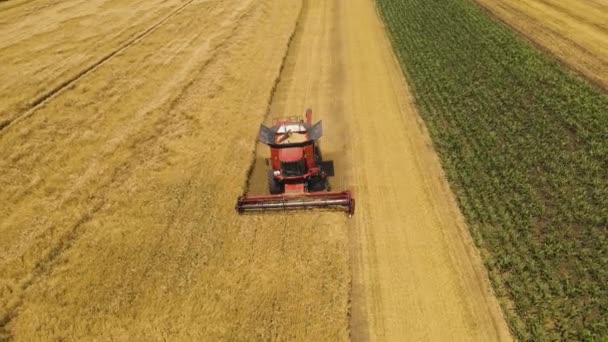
{"type": "Point", "coordinates": [524, 143]}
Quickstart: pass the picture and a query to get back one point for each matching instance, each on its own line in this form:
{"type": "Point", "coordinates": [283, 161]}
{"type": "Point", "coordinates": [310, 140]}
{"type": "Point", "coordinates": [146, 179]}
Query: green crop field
{"type": "Point", "coordinates": [524, 143]}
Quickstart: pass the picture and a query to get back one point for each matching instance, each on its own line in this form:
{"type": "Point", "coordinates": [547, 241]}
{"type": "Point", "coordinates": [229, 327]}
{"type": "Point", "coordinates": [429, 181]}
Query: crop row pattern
{"type": "Point", "coordinates": [524, 143]}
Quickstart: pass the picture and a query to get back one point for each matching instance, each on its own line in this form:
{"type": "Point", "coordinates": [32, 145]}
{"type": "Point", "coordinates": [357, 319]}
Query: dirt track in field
{"type": "Point", "coordinates": [416, 271]}
{"type": "Point", "coordinates": [575, 31]}
{"type": "Point", "coordinates": [119, 187]}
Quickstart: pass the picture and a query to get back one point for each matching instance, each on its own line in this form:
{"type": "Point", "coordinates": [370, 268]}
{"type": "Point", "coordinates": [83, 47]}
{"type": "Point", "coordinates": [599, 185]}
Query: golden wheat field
{"type": "Point", "coordinates": [574, 31]}
{"type": "Point", "coordinates": [128, 130]}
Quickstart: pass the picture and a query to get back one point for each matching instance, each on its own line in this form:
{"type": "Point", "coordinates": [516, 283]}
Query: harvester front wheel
{"type": "Point", "coordinates": [317, 184]}
{"type": "Point", "coordinates": [274, 186]}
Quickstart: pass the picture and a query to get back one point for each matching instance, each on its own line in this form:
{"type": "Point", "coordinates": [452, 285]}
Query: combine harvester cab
{"type": "Point", "coordinates": [297, 177]}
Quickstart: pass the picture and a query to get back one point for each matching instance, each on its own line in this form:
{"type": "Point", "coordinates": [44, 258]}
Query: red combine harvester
{"type": "Point", "coordinates": [297, 177]}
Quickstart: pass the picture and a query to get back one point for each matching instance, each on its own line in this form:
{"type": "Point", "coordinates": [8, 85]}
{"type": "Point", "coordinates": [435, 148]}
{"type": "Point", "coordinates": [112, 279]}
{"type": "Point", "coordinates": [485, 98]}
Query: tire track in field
{"type": "Point", "coordinates": [217, 51]}
{"type": "Point", "coordinates": [120, 176]}
{"type": "Point", "coordinates": [43, 266]}
{"type": "Point", "coordinates": [165, 98]}
{"type": "Point", "coordinates": [271, 98]}
{"type": "Point", "coordinates": [9, 6]}
{"type": "Point", "coordinates": [41, 99]}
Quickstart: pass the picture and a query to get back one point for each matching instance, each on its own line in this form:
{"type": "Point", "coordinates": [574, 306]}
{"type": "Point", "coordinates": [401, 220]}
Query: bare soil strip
{"type": "Point", "coordinates": [576, 32]}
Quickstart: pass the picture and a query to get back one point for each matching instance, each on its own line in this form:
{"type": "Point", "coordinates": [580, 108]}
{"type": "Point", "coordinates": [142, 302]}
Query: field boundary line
{"type": "Point", "coordinates": [58, 89]}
